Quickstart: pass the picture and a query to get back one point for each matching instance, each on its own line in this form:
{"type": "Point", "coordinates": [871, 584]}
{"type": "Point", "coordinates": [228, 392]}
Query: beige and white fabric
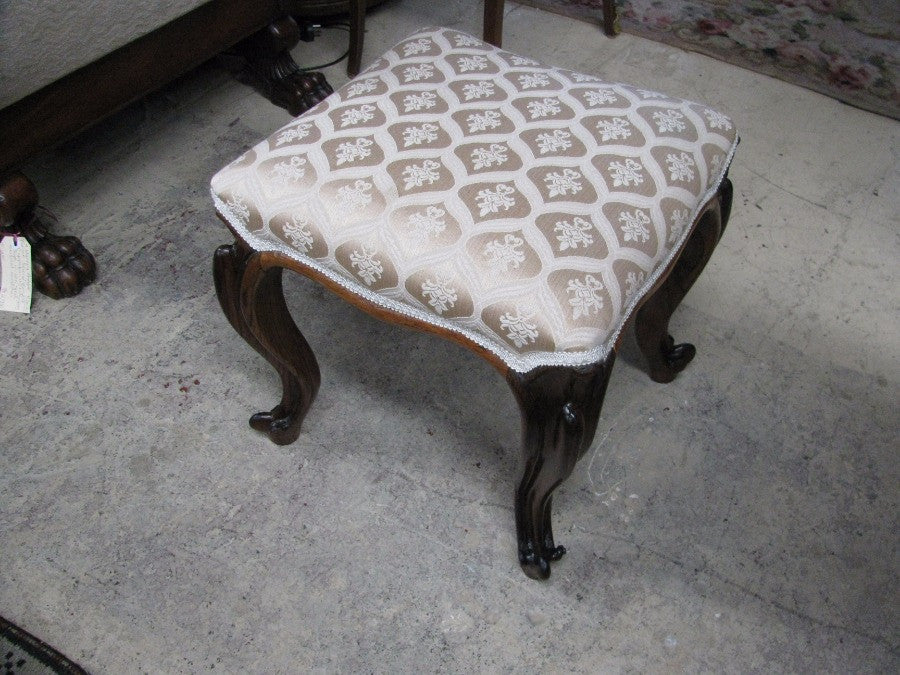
{"type": "Point", "coordinates": [525, 207]}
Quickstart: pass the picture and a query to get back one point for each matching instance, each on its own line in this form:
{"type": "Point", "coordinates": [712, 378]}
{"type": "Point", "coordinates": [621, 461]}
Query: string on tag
{"type": "Point", "coordinates": [15, 235]}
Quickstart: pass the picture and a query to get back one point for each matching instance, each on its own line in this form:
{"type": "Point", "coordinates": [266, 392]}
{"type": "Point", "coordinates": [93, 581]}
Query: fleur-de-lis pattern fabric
{"type": "Point", "coordinates": [523, 206]}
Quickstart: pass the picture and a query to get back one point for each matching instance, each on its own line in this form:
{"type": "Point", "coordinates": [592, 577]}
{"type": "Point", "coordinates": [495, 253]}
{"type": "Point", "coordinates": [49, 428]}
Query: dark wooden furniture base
{"type": "Point", "coordinates": [61, 266]}
{"type": "Point", "coordinates": [560, 406]}
{"type": "Point", "coordinates": [264, 35]}
{"type": "Point", "coordinates": [264, 62]}
{"type": "Point", "coordinates": [80, 99]}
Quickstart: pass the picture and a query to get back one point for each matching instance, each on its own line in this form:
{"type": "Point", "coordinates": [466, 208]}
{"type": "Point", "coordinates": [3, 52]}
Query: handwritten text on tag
{"type": "Point", "coordinates": [15, 275]}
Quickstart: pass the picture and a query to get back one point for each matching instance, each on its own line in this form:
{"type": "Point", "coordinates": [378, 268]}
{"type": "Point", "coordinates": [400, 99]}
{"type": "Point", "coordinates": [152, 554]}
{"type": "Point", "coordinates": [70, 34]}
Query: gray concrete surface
{"type": "Point", "coordinates": [741, 519]}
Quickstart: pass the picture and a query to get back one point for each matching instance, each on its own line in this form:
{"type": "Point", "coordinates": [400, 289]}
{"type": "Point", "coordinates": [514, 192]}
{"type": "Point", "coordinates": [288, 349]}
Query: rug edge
{"type": "Point", "coordinates": [876, 107]}
{"type": "Point", "coordinates": [39, 649]}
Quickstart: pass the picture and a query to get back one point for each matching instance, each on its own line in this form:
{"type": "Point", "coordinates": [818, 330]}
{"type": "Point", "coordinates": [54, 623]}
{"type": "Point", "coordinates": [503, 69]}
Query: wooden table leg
{"type": "Point", "coordinates": [357, 36]}
{"type": "Point", "coordinates": [493, 21]}
{"type": "Point", "coordinates": [610, 18]}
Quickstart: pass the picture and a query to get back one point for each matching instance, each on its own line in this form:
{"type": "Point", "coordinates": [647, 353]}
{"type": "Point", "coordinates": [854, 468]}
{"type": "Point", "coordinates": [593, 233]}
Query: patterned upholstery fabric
{"type": "Point", "coordinates": [524, 206]}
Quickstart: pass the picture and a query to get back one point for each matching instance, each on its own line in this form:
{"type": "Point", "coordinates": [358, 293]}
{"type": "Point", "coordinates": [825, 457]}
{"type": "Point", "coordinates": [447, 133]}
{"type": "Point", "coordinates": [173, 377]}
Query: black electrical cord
{"type": "Point", "coordinates": [341, 26]}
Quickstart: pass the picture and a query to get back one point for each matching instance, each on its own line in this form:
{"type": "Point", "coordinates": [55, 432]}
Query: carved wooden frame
{"type": "Point", "coordinates": [560, 405]}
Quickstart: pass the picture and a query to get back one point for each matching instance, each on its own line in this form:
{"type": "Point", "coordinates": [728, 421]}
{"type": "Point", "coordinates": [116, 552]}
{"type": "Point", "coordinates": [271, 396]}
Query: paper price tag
{"type": "Point", "coordinates": [15, 275]}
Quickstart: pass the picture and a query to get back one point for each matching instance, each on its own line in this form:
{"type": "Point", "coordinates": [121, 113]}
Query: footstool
{"type": "Point", "coordinates": [525, 211]}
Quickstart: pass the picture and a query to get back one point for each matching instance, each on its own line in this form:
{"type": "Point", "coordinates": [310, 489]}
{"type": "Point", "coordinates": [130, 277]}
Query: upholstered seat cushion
{"type": "Point", "coordinates": [523, 206]}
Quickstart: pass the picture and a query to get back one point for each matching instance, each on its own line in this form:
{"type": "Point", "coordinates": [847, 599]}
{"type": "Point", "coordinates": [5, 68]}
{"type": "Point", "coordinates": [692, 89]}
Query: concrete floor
{"type": "Point", "coordinates": [741, 519]}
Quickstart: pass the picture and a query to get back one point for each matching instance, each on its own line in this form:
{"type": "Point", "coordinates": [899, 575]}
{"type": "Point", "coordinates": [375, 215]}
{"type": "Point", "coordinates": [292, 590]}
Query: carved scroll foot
{"type": "Point", "coordinates": [677, 356]}
{"type": "Point", "coordinates": [665, 358]}
{"type": "Point", "coordinates": [249, 288]}
{"type": "Point", "coordinates": [61, 266]}
{"type": "Point", "coordinates": [263, 61]}
{"type": "Point", "coordinates": [560, 408]}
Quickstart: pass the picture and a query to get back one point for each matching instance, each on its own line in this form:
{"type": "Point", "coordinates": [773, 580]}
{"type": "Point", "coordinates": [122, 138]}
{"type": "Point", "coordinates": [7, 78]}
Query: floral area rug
{"type": "Point", "coordinates": [846, 49]}
{"type": "Point", "coordinates": [21, 653]}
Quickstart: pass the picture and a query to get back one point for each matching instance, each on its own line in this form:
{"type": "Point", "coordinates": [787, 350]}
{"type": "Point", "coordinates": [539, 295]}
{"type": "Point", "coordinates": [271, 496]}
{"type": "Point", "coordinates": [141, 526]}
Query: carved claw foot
{"type": "Point", "coordinates": [300, 91]}
{"type": "Point", "coordinates": [264, 62]}
{"type": "Point", "coordinates": [61, 266]}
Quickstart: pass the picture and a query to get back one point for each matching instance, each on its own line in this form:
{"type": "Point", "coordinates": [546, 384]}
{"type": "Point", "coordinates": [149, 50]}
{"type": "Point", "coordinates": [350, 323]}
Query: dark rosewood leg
{"type": "Point", "coordinates": [252, 299]}
{"type": "Point", "coordinates": [264, 62]}
{"type": "Point", "coordinates": [726, 195]}
{"type": "Point", "coordinates": [229, 262]}
{"type": "Point", "coordinates": [666, 359]}
{"type": "Point", "coordinates": [61, 266]}
{"type": "Point", "coordinates": [560, 408]}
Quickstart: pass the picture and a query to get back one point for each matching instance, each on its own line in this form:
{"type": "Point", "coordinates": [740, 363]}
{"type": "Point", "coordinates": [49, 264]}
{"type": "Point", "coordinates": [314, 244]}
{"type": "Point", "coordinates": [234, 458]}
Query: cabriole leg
{"type": "Point", "coordinates": [560, 407]}
{"type": "Point", "coordinates": [252, 299]}
{"type": "Point", "coordinates": [665, 358]}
